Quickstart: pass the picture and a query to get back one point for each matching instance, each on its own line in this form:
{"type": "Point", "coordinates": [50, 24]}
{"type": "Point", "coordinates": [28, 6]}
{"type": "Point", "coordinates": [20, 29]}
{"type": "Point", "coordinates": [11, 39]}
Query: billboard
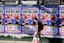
{"type": "Point", "coordinates": [1, 19]}
{"type": "Point", "coordinates": [12, 19]}
{"type": "Point", "coordinates": [19, 19]}
{"type": "Point", "coordinates": [61, 20]}
{"type": "Point", "coordinates": [48, 18]}
{"type": "Point", "coordinates": [28, 14]}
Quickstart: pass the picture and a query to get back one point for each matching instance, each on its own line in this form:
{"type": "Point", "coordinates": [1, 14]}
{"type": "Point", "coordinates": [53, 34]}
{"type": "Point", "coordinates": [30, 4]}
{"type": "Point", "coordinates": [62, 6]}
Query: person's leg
{"type": "Point", "coordinates": [39, 36]}
{"type": "Point", "coordinates": [35, 38]}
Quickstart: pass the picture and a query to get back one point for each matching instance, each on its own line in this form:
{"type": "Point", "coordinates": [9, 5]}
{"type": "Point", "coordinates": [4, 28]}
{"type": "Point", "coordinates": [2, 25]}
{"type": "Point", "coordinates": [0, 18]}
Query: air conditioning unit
{"type": "Point", "coordinates": [10, 2]}
{"type": "Point", "coordinates": [28, 2]}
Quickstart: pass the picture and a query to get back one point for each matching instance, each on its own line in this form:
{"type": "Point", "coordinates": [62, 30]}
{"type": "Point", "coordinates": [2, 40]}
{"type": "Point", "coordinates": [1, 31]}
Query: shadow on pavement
{"type": "Point", "coordinates": [55, 40]}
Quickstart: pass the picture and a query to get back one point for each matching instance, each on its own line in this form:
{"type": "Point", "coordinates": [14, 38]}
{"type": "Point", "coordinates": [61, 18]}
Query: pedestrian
{"type": "Point", "coordinates": [39, 27]}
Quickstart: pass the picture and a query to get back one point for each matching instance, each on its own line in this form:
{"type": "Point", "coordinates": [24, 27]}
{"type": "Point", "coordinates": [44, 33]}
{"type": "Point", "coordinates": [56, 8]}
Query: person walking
{"type": "Point", "coordinates": [39, 26]}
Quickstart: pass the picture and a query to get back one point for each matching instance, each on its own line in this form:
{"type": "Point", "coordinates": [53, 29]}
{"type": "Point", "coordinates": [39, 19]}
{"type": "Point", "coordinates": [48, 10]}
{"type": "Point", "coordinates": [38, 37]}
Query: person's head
{"type": "Point", "coordinates": [34, 21]}
{"type": "Point", "coordinates": [43, 17]}
{"type": "Point", "coordinates": [34, 16]}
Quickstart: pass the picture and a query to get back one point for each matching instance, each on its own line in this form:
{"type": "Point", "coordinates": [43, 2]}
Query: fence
{"type": "Point", "coordinates": [11, 18]}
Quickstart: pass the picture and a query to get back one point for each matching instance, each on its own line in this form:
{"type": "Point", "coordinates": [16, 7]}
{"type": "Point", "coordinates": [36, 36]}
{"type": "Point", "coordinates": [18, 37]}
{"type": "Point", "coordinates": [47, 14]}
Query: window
{"type": "Point", "coordinates": [62, 1]}
{"type": "Point", "coordinates": [41, 2]}
{"type": "Point", "coordinates": [8, 0]}
{"type": "Point", "coordinates": [52, 1]}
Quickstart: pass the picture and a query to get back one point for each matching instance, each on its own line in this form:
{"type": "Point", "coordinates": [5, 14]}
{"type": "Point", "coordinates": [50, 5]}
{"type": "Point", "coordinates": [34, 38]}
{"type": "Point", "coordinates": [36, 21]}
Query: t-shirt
{"type": "Point", "coordinates": [40, 25]}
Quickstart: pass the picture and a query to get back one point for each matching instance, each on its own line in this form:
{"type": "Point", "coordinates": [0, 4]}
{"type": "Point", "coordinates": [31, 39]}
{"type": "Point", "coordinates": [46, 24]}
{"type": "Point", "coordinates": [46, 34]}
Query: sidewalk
{"type": "Point", "coordinates": [2, 41]}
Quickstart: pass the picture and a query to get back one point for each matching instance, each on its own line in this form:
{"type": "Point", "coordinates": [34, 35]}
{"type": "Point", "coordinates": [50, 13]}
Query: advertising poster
{"type": "Point", "coordinates": [28, 14]}
{"type": "Point", "coordinates": [1, 19]}
{"type": "Point", "coordinates": [48, 17]}
{"type": "Point", "coordinates": [12, 19]}
{"type": "Point", "coordinates": [61, 18]}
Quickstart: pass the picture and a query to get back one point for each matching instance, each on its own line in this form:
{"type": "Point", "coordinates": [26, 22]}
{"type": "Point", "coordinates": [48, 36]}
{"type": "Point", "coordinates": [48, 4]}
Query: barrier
{"type": "Point", "coordinates": [13, 16]}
